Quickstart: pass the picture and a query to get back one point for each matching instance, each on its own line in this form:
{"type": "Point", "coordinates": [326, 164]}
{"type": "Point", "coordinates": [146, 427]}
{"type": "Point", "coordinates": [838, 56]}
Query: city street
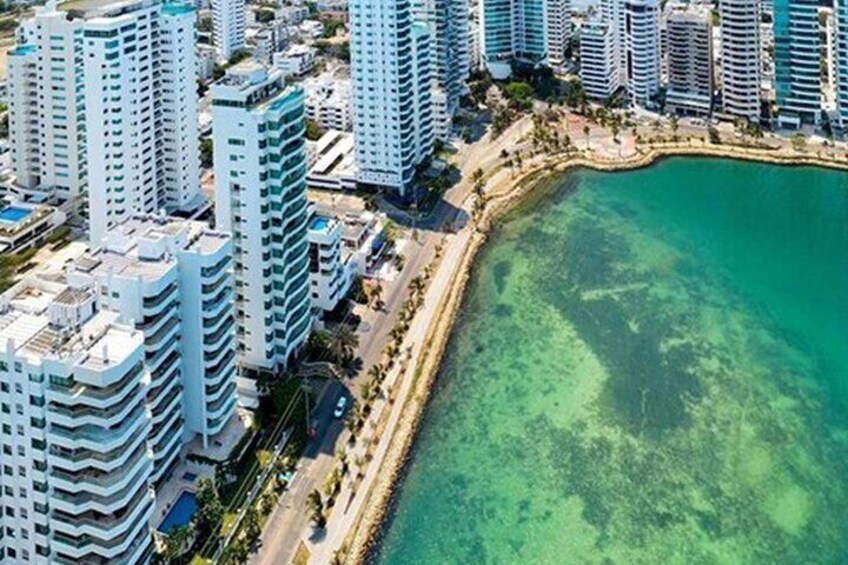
{"type": "Point", "coordinates": [289, 522]}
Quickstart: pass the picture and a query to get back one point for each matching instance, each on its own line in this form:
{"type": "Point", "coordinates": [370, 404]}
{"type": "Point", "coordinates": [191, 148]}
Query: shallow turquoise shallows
{"type": "Point", "coordinates": [651, 367]}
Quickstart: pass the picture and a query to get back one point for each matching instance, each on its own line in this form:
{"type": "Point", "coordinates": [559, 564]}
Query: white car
{"type": "Point", "coordinates": [340, 407]}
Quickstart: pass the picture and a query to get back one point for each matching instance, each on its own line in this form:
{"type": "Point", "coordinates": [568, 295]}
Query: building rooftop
{"type": "Point", "coordinates": [94, 8]}
{"type": "Point", "coordinates": [146, 246]}
{"type": "Point", "coordinates": [31, 325]}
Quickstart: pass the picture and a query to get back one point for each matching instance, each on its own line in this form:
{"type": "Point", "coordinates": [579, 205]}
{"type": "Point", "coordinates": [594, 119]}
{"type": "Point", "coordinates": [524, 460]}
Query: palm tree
{"type": "Point", "coordinates": [368, 391]}
{"type": "Point", "coordinates": [267, 502]}
{"type": "Point", "coordinates": [252, 527]}
{"type": "Point", "coordinates": [315, 504]}
{"type": "Point", "coordinates": [343, 343]}
{"type": "Point", "coordinates": [176, 542]}
{"type": "Point", "coordinates": [377, 372]}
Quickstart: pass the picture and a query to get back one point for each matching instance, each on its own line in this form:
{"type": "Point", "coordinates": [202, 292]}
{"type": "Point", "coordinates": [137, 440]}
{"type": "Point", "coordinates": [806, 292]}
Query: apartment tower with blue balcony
{"type": "Point", "coordinates": [260, 198]}
{"type": "Point", "coordinates": [797, 60]}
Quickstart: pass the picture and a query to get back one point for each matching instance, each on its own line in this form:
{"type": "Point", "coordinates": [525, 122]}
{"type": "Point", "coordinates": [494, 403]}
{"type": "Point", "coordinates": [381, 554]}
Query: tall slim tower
{"type": "Point", "coordinates": [448, 25]}
{"type": "Point", "coordinates": [636, 24]}
{"type": "Point", "coordinates": [229, 22]}
{"type": "Point", "coordinates": [797, 61]}
{"type": "Point", "coordinates": [840, 59]}
{"type": "Point", "coordinates": [598, 63]}
{"type": "Point", "coordinates": [46, 116]}
{"type": "Point", "coordinates": [260, 198]}
{"type": "Point", "coordinates": [690, 61]}
{"type": "Point", "coordinates": [740, 58]}
{"type": "Point", "coordinates": [120, 127]}
{"type": "Point", "coordinates": [392, 84]}
{"type": "Point", "coordinates": [558, 25]}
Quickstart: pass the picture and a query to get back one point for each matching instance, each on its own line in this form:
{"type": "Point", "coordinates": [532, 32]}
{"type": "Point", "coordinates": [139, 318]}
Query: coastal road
{"type": "Point", "coordinates": [289, 522]}
{"type": "Point", "coordinates": [289, 518]}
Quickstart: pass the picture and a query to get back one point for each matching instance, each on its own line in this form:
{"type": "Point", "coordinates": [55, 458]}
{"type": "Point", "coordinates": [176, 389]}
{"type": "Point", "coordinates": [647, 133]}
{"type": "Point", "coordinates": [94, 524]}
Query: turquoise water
{"type": "Point", "coordinates": [650, 367]}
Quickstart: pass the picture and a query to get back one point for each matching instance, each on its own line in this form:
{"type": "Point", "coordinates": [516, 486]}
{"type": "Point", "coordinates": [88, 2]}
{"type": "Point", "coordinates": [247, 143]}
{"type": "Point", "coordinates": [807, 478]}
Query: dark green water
{"type": "Point", "coordinates": [651, 367]}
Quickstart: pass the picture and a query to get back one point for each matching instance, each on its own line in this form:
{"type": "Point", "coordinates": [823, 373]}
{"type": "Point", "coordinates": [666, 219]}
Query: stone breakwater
{"type": "Point", "coordinates": [500, 200]}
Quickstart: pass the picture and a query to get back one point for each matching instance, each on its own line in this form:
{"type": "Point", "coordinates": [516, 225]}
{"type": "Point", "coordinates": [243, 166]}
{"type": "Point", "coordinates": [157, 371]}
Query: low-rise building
{"type": "Point", "coordinates": [330, 269]}
{"type": "Point", "coordinates": [297, 60]}
{"type": "Point", "coordinates": [328, 101]}
{"type": "Point", "coordinates": [332, 162]}
{"type": "Point", "coordinates": [269, 39]}
{"type": "Point", "coordinates": [365, 240]}
{"type": "Point", "coordinates": [25, 226]}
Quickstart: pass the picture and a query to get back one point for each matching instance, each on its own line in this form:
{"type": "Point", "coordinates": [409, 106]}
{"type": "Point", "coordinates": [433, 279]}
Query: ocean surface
{"type": "Point", "coordinates": [650, 367]}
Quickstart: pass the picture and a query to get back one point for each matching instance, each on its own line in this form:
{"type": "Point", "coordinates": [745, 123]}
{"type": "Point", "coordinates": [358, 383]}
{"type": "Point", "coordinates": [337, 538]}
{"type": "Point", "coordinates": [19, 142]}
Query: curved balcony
{"type": "Point", "coordinates": [72, 524]}
{"type": "Point", "coordinates": [76, 503]}
{"type": "Point", "coordinates": [79, 548]}
{"type": "Point", "coordinates": [96, 397]}
{"type": "Point", "coordinates": [97, 438]}
{"type": "Point", "coordinates": [82, 414]}
{"type": "Point", "coordinates": [99, 481]}
{"type": "Point", "coordinates": [81, 459]}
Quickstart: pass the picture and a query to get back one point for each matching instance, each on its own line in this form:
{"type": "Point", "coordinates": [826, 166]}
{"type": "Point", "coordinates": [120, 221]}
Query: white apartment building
{"type": "Point", "coordinates": [269, 39]}
{"type": "Point", "coordinates": [297, 60]}
{"type": "Point", "coordinates": [105, 108]}
{"type": "Point", "coordinates": [637, 34]}
{"type": "Point", "coordinates": [229, 24]}
{"type": "Point", "coordinates": [178, 144]}
{"type": "Point", "coordinates": [260, 198]}
{"type": "Point", "coordinates": [330, 272]}
{"type": "Point", "coordinates": [740, 58]}
{"type": "Point", "coordinates": [75, 465]}
{"type": "Point", "coordinates": [392, 104]}
{"type": "Point", "coordinates": [598, 67]}
{"type": "Point", "coordinates": [109, 366]}
{"type": "Point", "coordinates": [840, 60]}
{"type": "Point", "coordinates": [558, 30]}
{"type": "Point", "coordinates": [328, 101]}
{"type": "Point", "coordinates": [46, 117]}
{"type": "Point", "coordinates": [173, 280]}
{"type": "Point", "coordinates": [690, 61]}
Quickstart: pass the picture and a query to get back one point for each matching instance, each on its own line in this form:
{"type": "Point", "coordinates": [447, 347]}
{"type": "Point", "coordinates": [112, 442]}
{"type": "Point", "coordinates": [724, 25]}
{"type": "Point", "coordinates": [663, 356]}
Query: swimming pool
{"type": "Point", "coordinates": [13, 214]}
{"type": "Point", "coordinates": [319, 224]}
{"type": "Point", "coordinates": [180, 513]}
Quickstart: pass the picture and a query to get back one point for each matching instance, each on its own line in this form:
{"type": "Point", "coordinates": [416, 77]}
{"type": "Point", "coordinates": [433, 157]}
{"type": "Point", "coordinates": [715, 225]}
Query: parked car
{"type": "Point", "coordinates": [340, 407]}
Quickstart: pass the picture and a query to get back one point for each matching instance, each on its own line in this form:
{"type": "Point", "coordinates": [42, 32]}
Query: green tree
{"type": "Point", "coordinates": [236, 553]}
{"type": "Point", "coordinates": [210, 511]}
{"type": "Point", "coordinates": [799, 141]}
{"type": "Point", "coordinates": [519, 95]}
{"type": "Point", "coordinates": [314, 132]}
{"type": "Point", "coordinates": [206, 152]}
{"type": "Point", "coordinates": [315, 505]}
{"type": "Point", "coordinates": [343, 343]}
{"type": "Point", "coordinates": [574, 93]}
{"type": "Point", "coordinates": [176, 543]}
{"type": "Point", "coordinates": [252, 527]}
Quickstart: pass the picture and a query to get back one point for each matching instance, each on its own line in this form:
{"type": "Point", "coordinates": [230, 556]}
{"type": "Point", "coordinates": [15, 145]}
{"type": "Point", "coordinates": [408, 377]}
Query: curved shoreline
{"type": "Point", "coordinates": [361, 540]}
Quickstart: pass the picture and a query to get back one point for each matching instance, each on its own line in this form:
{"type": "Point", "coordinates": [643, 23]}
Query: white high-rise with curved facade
{"type": "Point", "coordinates": [260, 198]}
{"type": "Point", "coordinates": [75, 470]}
